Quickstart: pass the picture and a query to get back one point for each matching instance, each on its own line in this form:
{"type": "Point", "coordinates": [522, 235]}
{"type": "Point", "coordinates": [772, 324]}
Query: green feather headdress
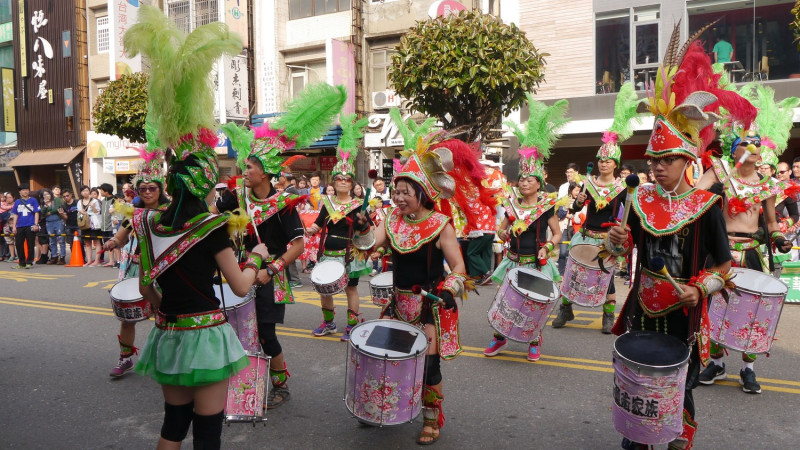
{"type": "Point", "coordinates": [413, 134]}
{"type": "Point", "coordinates": [774, 119]}
{"type": "Point", "coordinates": [241, 139]}
{"type": "Point", "coordinates": [625, 116]}
{"type": "Point", "coordinates": [348, 144]}
{"type": "Point", "coordinates": [538, 135]}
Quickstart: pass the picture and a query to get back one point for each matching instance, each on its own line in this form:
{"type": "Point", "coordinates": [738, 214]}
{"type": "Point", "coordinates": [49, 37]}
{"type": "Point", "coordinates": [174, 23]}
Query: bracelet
{"type": "Point", "coordinates": [276, 266]}
{"type": "Point", "coordinates": [454, 283]}
{"type": "Point", "coordinates": [253, 261]}
{"type": "Point", "coordinates": [777, 235]}
{"type": "Point", "coordinates": [709, 283]}
{"type": "Point", "coordinates": [549, 247]}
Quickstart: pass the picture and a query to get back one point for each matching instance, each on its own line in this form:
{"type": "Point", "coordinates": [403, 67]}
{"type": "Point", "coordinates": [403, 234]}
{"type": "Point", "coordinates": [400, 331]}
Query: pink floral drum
{"type": "Point", "coordinates": [241, 315]}
{"type": "Point", "coordinates": [585, 284]}
{"type": "Point", "coordinates": [522, 304]}
{"type": "Point", "coordinates": [382, 289]}
{"type": "Point", "coordinates": [128, 303]}
{"type": "Point", "coordinates": [329, 277]}
{"type": "Point", "coordinates": [748, 320]}
{"type": "Point", "coordinates": [385, 364]}
{"type": "Point", "coordinates": [247, 391]}
{"type": "Point", "coordinates": [649, 381]}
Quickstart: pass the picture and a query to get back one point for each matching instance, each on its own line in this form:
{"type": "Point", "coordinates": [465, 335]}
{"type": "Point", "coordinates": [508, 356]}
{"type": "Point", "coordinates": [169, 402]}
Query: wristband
{"type": "Point", "coordinates": [777, 235]}
{"type": "Point", "coordinates": [454, 283]}
{"type": "Point", "coordinates": [276, 266]}
{"type": "Point", "coordinates": [549, 246]}
{"type": "Point", "coordinates": [253, 261]}
{"type": "Point", "coordinates": [709, 283]}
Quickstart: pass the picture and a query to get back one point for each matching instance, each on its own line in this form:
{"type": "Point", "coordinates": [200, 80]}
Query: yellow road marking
{"type": "Point", "coordinates": [92, 284]}
{"type": "Point", "coordinates": [21, 276]}
{"type": "Point", "coordinates": [472, 352]}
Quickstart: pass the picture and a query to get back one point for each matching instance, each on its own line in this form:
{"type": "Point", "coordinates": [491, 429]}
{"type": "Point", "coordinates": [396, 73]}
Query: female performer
{"type": "Point", "coordinates": [337, 220]}
{"type": "Point", "coordinates": [149, 182]}
{"type": "Point", "coordinates": [530, 208]}
{"type": "Point", "coordinates": [192, 350]}
{"type": "Point", "coordinates": [420, 239]}
{"type": "Point", "coordinates": [606, 194]}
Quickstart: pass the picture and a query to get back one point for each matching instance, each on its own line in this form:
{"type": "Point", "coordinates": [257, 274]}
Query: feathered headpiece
{"type": "Point", "coordinates": [308, 116]}
{"type": "Point", "coordinates": [622, 128]}
{"type": "Point", "coordinates": [348, 145]}
{"type": "Point", "coordinates": [151, 169]}
{"type": "Point", "coordinates": [686, 98]}
{"type": "Point", "coordinates": [420, 162]}
{"type": "Point", "coordinates": [774, 122]}
{"type": "Point", "coordinates": [540, 133]}
{"type": "Point", "coordinates": [180, 94]}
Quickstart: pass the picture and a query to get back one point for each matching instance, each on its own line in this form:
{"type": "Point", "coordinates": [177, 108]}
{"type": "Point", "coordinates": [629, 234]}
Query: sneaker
{"type": "Point", "coordinates": [295, 284]}
{"type": "Point", "coordinates": [346, 334]}
{"type": "Point", "coordinates": [713, 372]}
{"type": "Point", "coordinates": [485, 280]}
{"type": "Point", "coordinates": [324, 328]}
{"type": "Point", "coordinates": [565, 314]}
{"type": "Point", "coordinates": [747, 378]}
{"type": "Point", "coordinates": [19, 266]}
{"type": "Point", "coordinates": [533, 352]}
{"type": "Point", "coordinates": [124, 365]}
{"type": "Point", "coordinates": [278, 396]}
{"type": "Point", "coordinates": [608, 322]}
{"type": "Point", "coordinates": [495, 346]}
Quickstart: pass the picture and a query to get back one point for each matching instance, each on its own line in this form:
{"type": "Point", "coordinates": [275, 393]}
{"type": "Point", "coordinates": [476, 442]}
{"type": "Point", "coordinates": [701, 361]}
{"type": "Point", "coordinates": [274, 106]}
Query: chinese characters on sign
{"type": "Point", "coordinates": [40, 43]}
{"type": "Point", "coordinates": [122, 15]}
{"type": "Point", "coordinates": [642, 407]}
{"type": "Point", "coordinates": [236, 89]}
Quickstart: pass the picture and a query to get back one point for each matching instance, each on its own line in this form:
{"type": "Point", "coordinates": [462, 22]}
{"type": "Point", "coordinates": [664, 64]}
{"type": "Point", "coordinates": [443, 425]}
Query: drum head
{"type": "Point", "coordinates": [532, 282]}
{"type": "Point", "coordinates": [390, 338]}
{"type": "Point", "coordinates": [758, 283]}
{"type": "Point", "coordinates": [126, 290]}
{"type": "Point", "coordinates": [231, 300]}
{"type": "Point", "coordinates": [652, 349]}
{"type": "Point", "coordinates": [327, 272]}
{"type": "Point", "coordinates": [382, 280]}
{"type": "Point", "coordinates": [585, 254]}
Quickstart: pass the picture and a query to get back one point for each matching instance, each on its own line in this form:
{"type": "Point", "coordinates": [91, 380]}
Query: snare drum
{"type": "Point", "coordinates": [382, 289]}
{"type": "Point", "coordinates": [329, 277]}
{"type": "Point", "coordinates": [241, 314]}
{"type": "Point", "coordinates": [748, 320]}
{"type": "Point", "coordinates": [247, 391]}
{"type": "Point", "coordinates": [385, 364]}
{"type": "Point", "coordinates": [128, 303]}
{"type": "Point", "coordinates": [584, 283]}
{"type": "Point", "coordinates": [649, 386]}
{"type": "Point", "coordinates": [522, 304]}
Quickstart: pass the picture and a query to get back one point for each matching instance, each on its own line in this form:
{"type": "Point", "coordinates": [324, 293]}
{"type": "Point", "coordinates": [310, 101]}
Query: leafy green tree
{"type": "Point", "coordinates": [796, 23]}
{"type": "Point", "coordinates": [468, 69]}
{"type": "Point", "coordinates": [122, 107]}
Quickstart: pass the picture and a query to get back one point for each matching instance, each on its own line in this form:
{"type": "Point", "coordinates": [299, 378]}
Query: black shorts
{"type": "Point", "coordinates": [267, 311]}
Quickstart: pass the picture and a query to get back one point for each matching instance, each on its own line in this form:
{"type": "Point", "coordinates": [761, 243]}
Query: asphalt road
{"type": "Point", "coordinates": [58, 343]}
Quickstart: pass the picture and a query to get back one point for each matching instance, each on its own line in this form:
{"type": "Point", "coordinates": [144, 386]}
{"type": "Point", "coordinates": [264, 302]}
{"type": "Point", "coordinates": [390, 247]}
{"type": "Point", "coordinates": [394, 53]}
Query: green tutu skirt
{"type": "Point", "coordinates": [506, 264]}
{"type": "Point", "coordinates": [355, 269]}
{"type": "Point", "coordinates": [192, 357]}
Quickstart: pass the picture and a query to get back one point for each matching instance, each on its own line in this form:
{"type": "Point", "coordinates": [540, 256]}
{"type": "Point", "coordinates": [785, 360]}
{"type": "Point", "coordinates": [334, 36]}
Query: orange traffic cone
{"type": "Point", "coordinates": [76, 256]}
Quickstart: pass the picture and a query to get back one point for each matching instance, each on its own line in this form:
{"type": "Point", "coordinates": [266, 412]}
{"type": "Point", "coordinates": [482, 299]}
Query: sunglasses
{"type": "Point", "coordinates": [148, 189]}
{"type": "Point", "coordinates": [667, 161]}
{"type": "Point", "coordinates": [755, 142]}
{"type": "Point", "coordinates": [338, 178]}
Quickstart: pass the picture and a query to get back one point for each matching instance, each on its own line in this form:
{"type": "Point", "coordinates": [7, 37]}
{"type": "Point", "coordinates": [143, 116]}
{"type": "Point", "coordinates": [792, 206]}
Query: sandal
{"type": "Point", "coordinates": [434, 435]}
{"type": "Point", "coordinates": [277, 396]}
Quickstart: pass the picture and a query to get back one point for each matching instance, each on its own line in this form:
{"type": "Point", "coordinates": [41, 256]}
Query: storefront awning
{"type": "Point", "coordinates": [46, 157]}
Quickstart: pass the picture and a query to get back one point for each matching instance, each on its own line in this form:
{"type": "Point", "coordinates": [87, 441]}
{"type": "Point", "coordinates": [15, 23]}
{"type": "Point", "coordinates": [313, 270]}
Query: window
{"type": "Point", "coordinates": [381, 63]}
{"type": "Point", "coordinates": [645, 46]}
{"type": "Point", "coordinates": [299, 9]}
{"type": "Point", "coordinates": [7, 56]}
{"type": "Point", "coordinates": [188, 15]}
{"type": "Point", "coordinates": [752, 37]}
{"type": "Point", "coordinates": [103, 35]}
{"type": "Point", "coordinates": [5, 11]}
{"type": "Point", "coordinates": [305, 73]}
{"type": "Point", "coordinates": [626, 44]}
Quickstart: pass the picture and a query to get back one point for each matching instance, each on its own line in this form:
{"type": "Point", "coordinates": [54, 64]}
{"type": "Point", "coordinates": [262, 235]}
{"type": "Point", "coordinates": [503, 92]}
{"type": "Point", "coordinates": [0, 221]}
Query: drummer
{"type": "Point", "coordinates": [275, 215]}
{"type": "Point", "coordinates": [149, 182]}
{"type": "Point", "coordinates": [529, 211]}
{"type": "Point", "coordinates": [420, 238]}
{"type": "Point", "coordinates": [605, 194]}
{"type": "Point", "coordinates": [748, 195]}
{"type": "Point", "coordinates": [338, 222]}
{"type": "Point", "coordinates": [683, 226]}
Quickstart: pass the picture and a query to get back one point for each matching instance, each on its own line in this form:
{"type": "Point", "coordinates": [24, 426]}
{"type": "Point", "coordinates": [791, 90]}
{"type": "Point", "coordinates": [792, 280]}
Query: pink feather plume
{"type": "Point", "coordinates": [527, 152]}
{"type": "Point", "coordinates": [610, 137]}
{"type": "Point", "coordinates": [765, 141]}
{"type": "Point", "coordinates": [397, 166]}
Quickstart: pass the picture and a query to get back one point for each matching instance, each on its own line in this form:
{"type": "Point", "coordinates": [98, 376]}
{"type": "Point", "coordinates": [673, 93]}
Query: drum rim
{"type": "Point", "coordinates": [581, 263]}
{"type": "Point", "coordinates": [760, 293]}
{"type": "Point", "coordinates": [663, 368]}
{"type": "Point", "coordinates": [556, 289]}
{"type": "Point", "coordinates": [354, 346]}
{"type": "Point", "coordinates": [382, 275]}
{"type": "Point", "coordinates": [132, 280]}
{"type": "Point", "coordinates": [329, 262]}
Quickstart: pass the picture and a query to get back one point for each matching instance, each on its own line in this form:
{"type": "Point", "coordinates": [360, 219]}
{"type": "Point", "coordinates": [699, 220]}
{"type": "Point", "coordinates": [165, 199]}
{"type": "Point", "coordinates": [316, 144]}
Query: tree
{"type": "Point", "coordinates": [796, 23]}
{"type": "Point", "coordinates": [122, 107]}
{"type": "Point", "coordinates": [468, 69]}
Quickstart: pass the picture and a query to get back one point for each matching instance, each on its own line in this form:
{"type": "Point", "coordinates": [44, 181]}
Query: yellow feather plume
{"type": "Point", "coordinates": [237, 222]}
{"type": "Point", "coordinates": [375, 203]}
{"type": "Point", "coordinates": [124, 209]}
{"type": "Point", "coordinates": [519, 227]}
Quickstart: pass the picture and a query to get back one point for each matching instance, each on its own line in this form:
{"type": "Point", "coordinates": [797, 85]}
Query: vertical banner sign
{"type": "Point", "coordinates": [122, 15]}
{"type": "Point", "coordinates": [42, 52]}
{"type": "Point", "coordinates": [68, 105]}
{"type": "Point", "coordinates": [23, 41]}
{"type": "Point", "coordinates": [9, 113]}
{"type": "Point", "coordinates": [236, 18]}
{"type": "Point", "coordinates": [236, 89]}
{"type": "Point", "coordinates": [341, 69]}
{"type": "Point", "coordinates": [66, 44]}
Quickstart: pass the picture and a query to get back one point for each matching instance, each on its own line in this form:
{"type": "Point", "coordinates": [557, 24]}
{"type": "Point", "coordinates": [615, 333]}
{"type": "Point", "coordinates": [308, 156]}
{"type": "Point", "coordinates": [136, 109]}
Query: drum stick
{"type": "Point", "coordinates": [252, 221]}
{"type": "Point", "coordinates": [747, 153]}
{"type": "Point", "coordinates": [417, 289]}
{"type": "Point", "coordinates": [589, 168]}
{"type": "Point", "coordinates": [632, 181]}
{"type": "Point", "coordinates": [657, 265]}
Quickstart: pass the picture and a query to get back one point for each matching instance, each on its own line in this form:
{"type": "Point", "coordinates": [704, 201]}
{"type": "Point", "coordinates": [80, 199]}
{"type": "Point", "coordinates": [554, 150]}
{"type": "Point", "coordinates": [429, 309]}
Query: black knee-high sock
{"type": "Point", "coordinates": [207, 431]}
{"type": "Point", "coordinates": [177, 419]}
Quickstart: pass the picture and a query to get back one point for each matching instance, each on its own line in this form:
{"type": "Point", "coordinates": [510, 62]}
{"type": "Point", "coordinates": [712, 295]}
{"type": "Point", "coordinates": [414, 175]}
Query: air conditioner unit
{"type": "Point", "coordinates": [385, 99]}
